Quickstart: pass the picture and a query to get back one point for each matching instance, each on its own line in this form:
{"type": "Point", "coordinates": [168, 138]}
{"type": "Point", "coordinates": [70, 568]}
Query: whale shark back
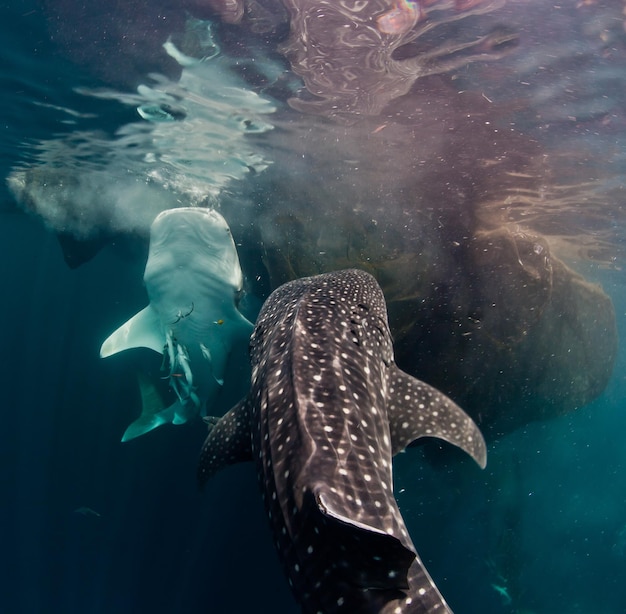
{"type": "Point", "coordinates": [327, 409]}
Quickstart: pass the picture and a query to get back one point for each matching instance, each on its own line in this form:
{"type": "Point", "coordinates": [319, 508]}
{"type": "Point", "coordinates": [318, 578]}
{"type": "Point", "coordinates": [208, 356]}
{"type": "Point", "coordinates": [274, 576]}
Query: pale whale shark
{"type": "Point", "coordinates": [193, 280]}
{"type": "Point", "coordinates": [326, 411]}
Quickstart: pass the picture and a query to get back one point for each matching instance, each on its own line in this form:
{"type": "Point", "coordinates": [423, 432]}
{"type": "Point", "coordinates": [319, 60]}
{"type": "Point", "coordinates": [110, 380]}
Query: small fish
{"type": "Point", "coordinates": [503, 591]}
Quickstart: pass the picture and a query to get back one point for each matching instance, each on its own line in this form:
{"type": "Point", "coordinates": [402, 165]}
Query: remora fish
{"type": "Point", "coordinates": [193, 280]}
{"type": "Point", "coordinates": [327, 410]}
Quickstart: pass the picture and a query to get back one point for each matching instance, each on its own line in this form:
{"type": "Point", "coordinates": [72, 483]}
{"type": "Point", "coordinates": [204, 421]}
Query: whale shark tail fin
{"type": "Point", "coordinates": [153, 410]}
{"type": "Point", "coordinates": [142, 330]}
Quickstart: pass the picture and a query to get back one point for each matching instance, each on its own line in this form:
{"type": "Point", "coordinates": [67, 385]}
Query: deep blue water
{"type": "Point", "coordinates": [546, 519]}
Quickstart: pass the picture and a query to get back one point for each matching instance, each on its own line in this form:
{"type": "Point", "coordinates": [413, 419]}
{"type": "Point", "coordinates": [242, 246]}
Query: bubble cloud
{"type": "Point", "coordinates": [191, 140]}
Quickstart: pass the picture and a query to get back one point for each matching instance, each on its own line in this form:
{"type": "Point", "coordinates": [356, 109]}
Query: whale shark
{"type": "Point", "coordinates": [326, 411]}
{"type": "Point", "coordinates": [193, 280]}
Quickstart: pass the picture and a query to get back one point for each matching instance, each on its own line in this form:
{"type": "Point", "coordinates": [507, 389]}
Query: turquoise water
{"type": "Point", "coordinates": [91, 525]}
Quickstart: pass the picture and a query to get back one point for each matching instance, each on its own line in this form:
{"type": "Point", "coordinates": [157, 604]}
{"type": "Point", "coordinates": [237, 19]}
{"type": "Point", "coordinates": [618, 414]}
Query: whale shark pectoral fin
{"type": "Point", "coordinates": [231, 333]}
{"type": "Point", "coordinates": [145, 424]}
{"type": "Point", "coordinates": [174, 414]}
{"type": "Point", "coordinates": [237, 341]}
{"type": "Point", "coordinates": [416, 410]}
{"type": "Point", "coordinates": [228, 441]}
{"type": "Point", "coordinates": [245, 327]}
{"type": "Point", "coordinates": [239, 329]}
{"type": "Point", "coordinates": [153, 410]}
{"type": "Point", "coordinates": [142, 330]}
{"type": "Point", "coordinates": [183, 411]}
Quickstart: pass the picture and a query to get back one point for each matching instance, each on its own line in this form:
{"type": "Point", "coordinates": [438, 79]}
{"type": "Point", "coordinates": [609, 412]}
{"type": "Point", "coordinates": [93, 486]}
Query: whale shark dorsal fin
{"type": "Point", "coordinates": [416, 410]}
{"type": "Point", "coordinates": [142, 330]}
{"type": "Point", "coordinates": [364, 539]}
{"type": "Point", "coordinates": [228, 442]}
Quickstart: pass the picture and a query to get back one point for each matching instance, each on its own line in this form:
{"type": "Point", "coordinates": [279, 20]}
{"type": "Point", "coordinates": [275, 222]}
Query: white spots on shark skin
{"type": "Point", "coordinates": [427, 412]}
{"type": "Point", "coordinates": [326, 405]}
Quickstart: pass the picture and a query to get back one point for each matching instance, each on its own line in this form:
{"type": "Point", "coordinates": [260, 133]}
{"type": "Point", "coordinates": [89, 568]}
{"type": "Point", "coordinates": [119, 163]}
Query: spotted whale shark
{"type": "Point", "coordinates": [193, 280]}
{"type": "Point", "coordinates": [327, 410]}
